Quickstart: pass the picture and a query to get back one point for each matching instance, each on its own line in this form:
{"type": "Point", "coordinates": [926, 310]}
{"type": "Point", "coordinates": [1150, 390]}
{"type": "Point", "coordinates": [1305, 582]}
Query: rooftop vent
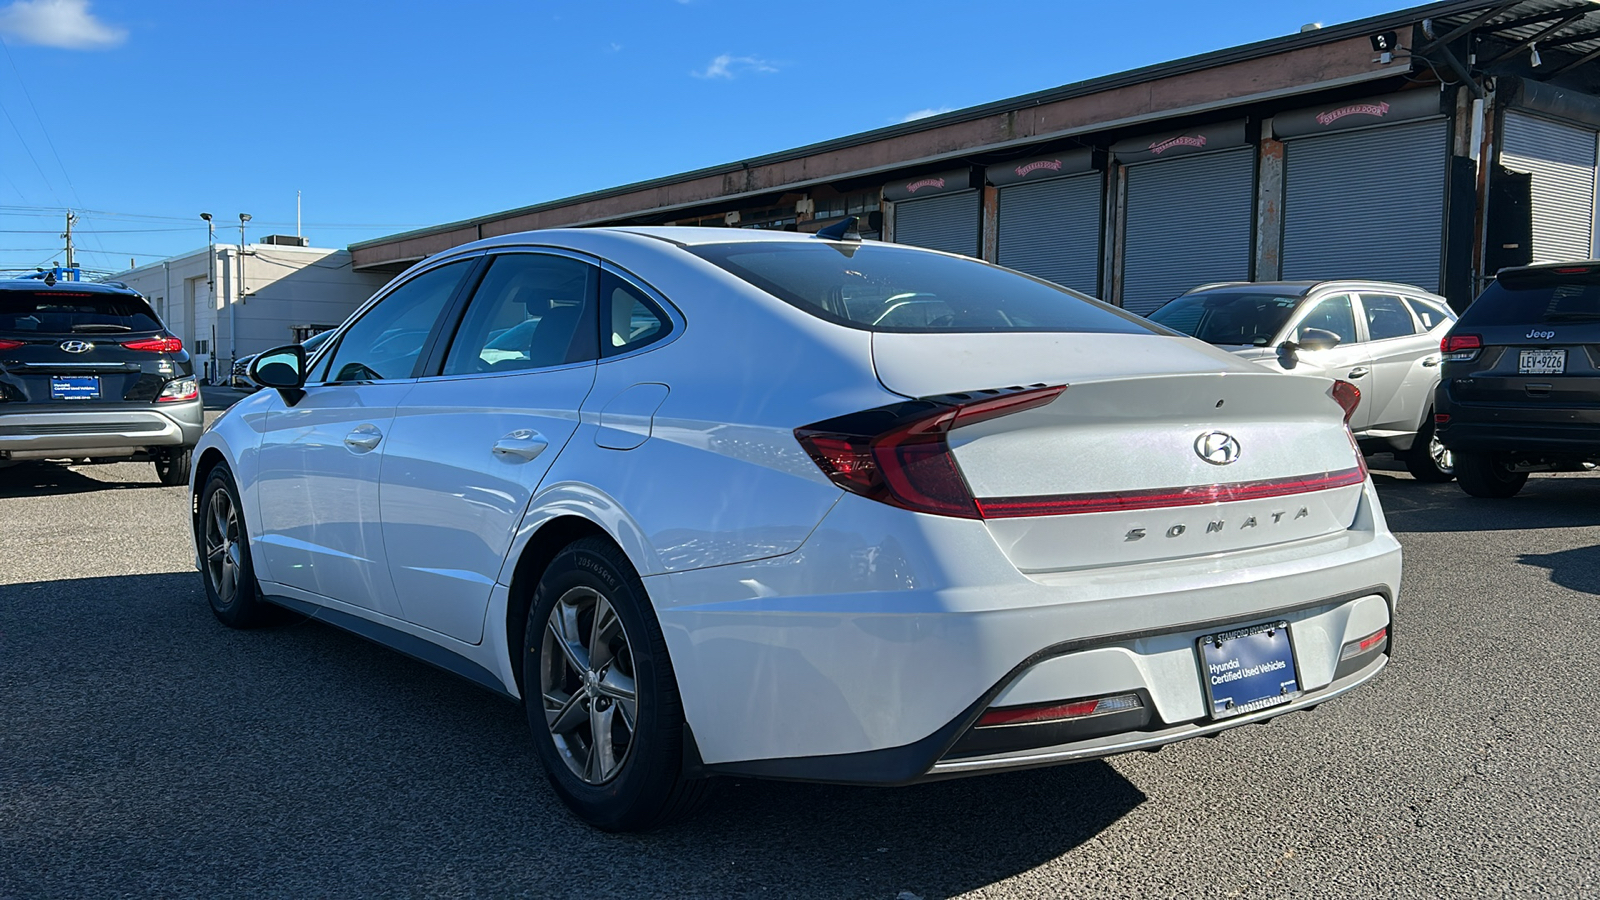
{"type": "Point", "coordinates": [286, 240]}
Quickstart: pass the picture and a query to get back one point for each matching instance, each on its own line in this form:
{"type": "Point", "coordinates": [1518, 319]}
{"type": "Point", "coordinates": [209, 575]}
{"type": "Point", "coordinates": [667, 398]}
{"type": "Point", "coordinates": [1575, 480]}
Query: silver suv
{"type": "Point", "coordinates": [1381, 337]}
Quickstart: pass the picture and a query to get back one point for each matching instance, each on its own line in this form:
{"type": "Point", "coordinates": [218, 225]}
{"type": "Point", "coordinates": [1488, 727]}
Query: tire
{"type": "Point", "coordinates": [1486, 475]}
{"type": "Point", "coordinates": [1428, 460]}
{"type": "Point", "coordinates": [172, 467]}
{"type": "Point", "coordinates": [225, 564]}
{"type": "Point", "coordinates": [591, 592]}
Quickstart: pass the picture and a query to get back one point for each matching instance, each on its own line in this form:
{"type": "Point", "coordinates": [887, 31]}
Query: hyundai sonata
{"type": "Point", "coordinates": [722, 502]}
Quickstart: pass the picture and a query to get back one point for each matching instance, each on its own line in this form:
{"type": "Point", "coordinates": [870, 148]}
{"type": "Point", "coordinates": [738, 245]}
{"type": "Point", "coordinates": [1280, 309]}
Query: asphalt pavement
{"type": "Point", "coordinates": [145, 750]}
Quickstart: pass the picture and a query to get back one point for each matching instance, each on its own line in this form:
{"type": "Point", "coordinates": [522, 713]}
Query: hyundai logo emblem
{"type": "Point", "coordinates": [77, 346]}
{"type": "Point", "coordinates": [1217, 447]}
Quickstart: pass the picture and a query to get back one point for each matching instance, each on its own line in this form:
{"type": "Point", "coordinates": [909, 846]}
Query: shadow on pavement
{"type": "Point", "coordinates": [1577, 569]}
{"type": "Point", "coordinates": [143, 737]}
{"type": "Point", "coordinates": [43, 479]}
{"type": "Point", "coordinates": [1548, 501]}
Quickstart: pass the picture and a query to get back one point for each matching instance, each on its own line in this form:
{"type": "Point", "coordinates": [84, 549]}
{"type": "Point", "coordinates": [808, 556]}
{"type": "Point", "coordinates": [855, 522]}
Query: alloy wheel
{"type": "Point", "coordinates": [1443, 459]}
{"type": "Point", "coordinates": [586, 680]}
{"type": "Point", "coordinates": [222, 546]}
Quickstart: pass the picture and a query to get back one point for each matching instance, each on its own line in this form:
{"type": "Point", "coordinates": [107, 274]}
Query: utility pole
{"type": "Point", "coordinates": [71, 262]}
{"type": "Point", "coordinates": [233, 308]}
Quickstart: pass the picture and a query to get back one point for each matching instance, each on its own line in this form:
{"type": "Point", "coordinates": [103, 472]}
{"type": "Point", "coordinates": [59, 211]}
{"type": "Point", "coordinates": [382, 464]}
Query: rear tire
{"type": "Point", "coordinates": [225, 563]}
{"type": "Point", "coordinates": [172, 467]}
{"type": "Point", "coordinates": [595, 664]}
{"type": "Point", "coordinates": [1486, 475]}
{"type": "Point", "coordinates": [1428, 460]}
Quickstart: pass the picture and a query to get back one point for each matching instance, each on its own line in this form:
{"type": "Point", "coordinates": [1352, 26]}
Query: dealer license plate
{"type": "Point", "coordinates": [1248, 669]}
{"type": "Point", "coordinates": [1542, 362]}
{"type": "Point", "coordinates": [75, 387]}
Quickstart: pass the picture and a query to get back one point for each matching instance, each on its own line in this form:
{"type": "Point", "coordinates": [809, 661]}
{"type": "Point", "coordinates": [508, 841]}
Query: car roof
{"type": "Point", "coordinates": [1304, 288]}
{"type": "Point", "coordinates": [36, 285]}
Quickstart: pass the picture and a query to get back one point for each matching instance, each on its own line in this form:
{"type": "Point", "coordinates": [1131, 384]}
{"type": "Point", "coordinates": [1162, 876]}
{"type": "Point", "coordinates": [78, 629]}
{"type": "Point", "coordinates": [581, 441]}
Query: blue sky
{"type": "Point", "coordinates": [402, 114]}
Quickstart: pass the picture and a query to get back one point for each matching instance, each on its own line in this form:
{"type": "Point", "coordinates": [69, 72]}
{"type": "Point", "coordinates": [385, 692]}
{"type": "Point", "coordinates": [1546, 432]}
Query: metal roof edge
{"type": "Point", "coordinates": [1185, 65]}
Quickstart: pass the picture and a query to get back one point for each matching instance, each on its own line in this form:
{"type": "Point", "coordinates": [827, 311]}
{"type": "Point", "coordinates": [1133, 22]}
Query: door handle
{"type": "Point", "coordinates": [1358, 372]}
{"type": "Point", "coordinates": [1430, 361]}
{"type": "Point", "coordinates": [521, 445]}
{"type": "Point", "coordinates": [364, 438]}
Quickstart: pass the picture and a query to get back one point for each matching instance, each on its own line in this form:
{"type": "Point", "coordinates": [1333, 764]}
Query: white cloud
{"type": "Point", "coordinates": [924, 113]}
{"type": "Point", "coordinates": [58, 23]}
{"type": "Point", "coordinates": [729, 66]}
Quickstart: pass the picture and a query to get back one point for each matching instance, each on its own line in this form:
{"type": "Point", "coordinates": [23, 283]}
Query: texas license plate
{"type": "Point", "coordinates": [1248, 669]}
{"type": "Point", "coordinates": [75, 387]}
{"type": "Point", "coordinates": [1542, 362]}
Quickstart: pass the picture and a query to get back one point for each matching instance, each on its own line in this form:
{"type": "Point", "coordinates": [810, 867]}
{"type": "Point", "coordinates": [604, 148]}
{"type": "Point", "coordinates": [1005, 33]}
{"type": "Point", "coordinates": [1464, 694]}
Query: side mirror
{"type": "Point", "coordinates": [283, 368]}
{"type": "Point", "coordinates": [1317, 339]}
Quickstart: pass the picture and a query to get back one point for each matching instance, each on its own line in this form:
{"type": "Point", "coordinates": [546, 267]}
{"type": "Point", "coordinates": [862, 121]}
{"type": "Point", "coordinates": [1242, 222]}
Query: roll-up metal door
{"type": "Point", "coordinates": [1187, 223]}
{"type": "Point", "coordinates": [1366, 204]}
{"type": "Point", "coordinates": [946, 222]}
{"type": "Point", "coordinates": [1561, 159]}
{"type": "Point", "coordinates": [1052, 229]}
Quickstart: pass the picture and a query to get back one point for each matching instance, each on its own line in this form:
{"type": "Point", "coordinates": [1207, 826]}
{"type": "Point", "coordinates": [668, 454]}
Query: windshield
{"type": "Point", "coordinates": [1228, 317]}
{"type": "Point", "coordinates": [1537, 299]}
{"type": "Point", "coordinates": [67, 312]}
{"type": "Point", "coordinates": [895, 289]}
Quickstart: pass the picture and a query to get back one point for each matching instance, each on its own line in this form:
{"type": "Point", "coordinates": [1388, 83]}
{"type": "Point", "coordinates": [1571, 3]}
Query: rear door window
{"type": "Point", "coordinates": [633, 320]}
{"type": "Point", "coordinates": [1387, 317]}
{"type": "Point", "coordinates": [74, 312]}
{"type": "Point", "coordinates": [898, 289]}
{"type": "Point", "coordinates": [531, 311]}
{"type": "Point", "coordinates": [1431, 315]}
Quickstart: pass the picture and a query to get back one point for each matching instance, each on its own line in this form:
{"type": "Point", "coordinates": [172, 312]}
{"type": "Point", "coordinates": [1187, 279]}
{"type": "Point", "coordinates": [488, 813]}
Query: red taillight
{"type": "Point", "coordinates": [1573, 270]}
{"type": "Point", "coordinates": [9, 345]}
{"type": "Point", "coordinates": [1454, 343]}
{"type": "Point", "coordinates": [900, 454]}
{"type": "Point", "coordinates": [1056, 712]}
{"type": "Point", "coordinates": [1441, 418]}
{"type": "Point", "coordinates": [156, 345]}
{"type": "Point", "coordinates": [1348, 396]}
{"type": "Point", "coordinates": [1356, 648]}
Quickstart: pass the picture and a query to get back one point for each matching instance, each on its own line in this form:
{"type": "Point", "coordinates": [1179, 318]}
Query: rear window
{"type": "Point", "coordinates": [67, 312]}
{"type": "Point", "coordinates": [894, 289]}
{"type": "Point", "coordinates": [1228, 317]}
{"type": "Point", "coordinates": [1538, 300]}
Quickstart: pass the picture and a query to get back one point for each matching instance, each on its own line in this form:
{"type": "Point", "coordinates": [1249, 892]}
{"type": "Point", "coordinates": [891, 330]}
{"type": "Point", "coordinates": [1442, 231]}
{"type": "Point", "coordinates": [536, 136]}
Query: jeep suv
{"type": "Point", "coordinates": [88, 372]}
{"type": "Point", "coordinates": [1520, 386]}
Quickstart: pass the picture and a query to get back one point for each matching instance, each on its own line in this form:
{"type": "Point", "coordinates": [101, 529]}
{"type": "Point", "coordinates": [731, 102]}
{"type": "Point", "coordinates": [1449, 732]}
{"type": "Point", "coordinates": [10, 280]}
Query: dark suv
{"type": "Point", "coordinates": [1520, 386]}
{"type": "Point", "coordinates": [87, 371]}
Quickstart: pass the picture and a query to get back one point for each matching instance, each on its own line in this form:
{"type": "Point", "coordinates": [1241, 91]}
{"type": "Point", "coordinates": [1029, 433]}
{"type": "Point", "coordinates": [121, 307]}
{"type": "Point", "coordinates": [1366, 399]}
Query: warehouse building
{"type": "Point", "coordinates": [224, 304]}
{"type": "Point", "coordinates": [1432, 146]}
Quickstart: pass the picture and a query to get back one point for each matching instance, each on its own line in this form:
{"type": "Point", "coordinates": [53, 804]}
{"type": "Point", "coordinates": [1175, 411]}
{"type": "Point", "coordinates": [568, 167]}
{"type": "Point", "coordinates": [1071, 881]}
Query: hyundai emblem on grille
{"type": "Point", "coordinates": [1217, 447]}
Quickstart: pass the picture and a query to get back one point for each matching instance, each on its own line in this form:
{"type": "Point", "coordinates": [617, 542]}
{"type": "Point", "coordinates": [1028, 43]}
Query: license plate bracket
{"type": "Point", "coordinates": [75, 387]}
{"type": "Point", "coordinates": [1542, 362]}
{"type": "Point", "coordinates": [1248, 669]}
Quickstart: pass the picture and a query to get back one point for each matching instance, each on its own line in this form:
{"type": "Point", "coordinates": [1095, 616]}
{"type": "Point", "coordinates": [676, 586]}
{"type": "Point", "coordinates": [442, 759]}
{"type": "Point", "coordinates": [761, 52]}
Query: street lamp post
{"type": "Point", "coordinates": [233, 308]}
{"type": "Point", "coordinates": [211, 278]}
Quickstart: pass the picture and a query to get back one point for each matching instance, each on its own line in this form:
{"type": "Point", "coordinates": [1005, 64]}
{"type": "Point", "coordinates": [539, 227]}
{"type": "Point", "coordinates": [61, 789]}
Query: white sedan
{"type": "Point", "coordinates": [805, 507]}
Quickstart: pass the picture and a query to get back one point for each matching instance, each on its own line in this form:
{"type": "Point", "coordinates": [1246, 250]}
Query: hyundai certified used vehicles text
{"type": "Point", "coordinates": [723, 502]}
{"type": "Point", "coordinates": [1381, 337]}
{"type": "Point", "coordinates": [87, 372]}
{"type": "Point", "coordinates": [1521, 385]}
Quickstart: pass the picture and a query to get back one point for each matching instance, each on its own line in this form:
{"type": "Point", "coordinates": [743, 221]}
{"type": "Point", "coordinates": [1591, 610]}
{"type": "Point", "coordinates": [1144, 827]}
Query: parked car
{"type": "Point", "coordinates": [725, 511]}
{"type": "Point", "coordinates": [1383, 337]}
{"type": "Point", "coordinates": [239, 376]}
{"type": "Point", "coordinates": [1521, 385]}
{"type": "Point", "coordinates": [88, 372]}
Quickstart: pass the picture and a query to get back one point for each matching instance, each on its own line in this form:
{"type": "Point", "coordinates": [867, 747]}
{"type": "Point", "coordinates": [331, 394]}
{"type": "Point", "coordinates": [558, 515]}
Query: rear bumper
{"type": "Point", "coordinates": [1523, 434]}
{"type": "Point", "coordinates": [109, 431]}
{"type": "Point", "coordinates": [866, 657]}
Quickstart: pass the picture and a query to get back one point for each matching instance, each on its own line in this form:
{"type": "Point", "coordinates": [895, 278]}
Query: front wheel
{"type": "Point", "coordinates": [225, 556]}
{"type": "Point", "coordinates": [1487, 475]}
{"type": "Point", "coordinates": [601, 697]}
{"type": "Point", "coordinates": [1428, 459]}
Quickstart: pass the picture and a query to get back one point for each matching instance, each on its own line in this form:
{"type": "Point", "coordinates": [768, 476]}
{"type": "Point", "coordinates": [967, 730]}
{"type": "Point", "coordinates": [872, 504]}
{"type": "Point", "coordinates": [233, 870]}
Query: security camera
{"type": "Point", "coordinates": [1385, 42]}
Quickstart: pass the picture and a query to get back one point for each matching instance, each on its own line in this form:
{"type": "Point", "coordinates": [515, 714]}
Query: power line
{"type": "Point", "coordinates": [42, 128]}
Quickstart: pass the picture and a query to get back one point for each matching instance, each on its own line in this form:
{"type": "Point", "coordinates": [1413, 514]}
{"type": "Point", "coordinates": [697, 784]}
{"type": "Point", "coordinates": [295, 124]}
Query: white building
{"type": "Point", "coordinates": [225, 305]}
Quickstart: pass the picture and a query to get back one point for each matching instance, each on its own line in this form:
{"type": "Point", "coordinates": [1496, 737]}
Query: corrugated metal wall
{"type": "Point", "coordinates": [1188, 223]}
{"type": "Point", "coordinates": [1561, 159]}
{"type": "Point", "coordinates": [1366, 204]}
{"type": "Point", "coordinates": [946, 222]}
{"type": "Point", "coordinates": [1052, 229]}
